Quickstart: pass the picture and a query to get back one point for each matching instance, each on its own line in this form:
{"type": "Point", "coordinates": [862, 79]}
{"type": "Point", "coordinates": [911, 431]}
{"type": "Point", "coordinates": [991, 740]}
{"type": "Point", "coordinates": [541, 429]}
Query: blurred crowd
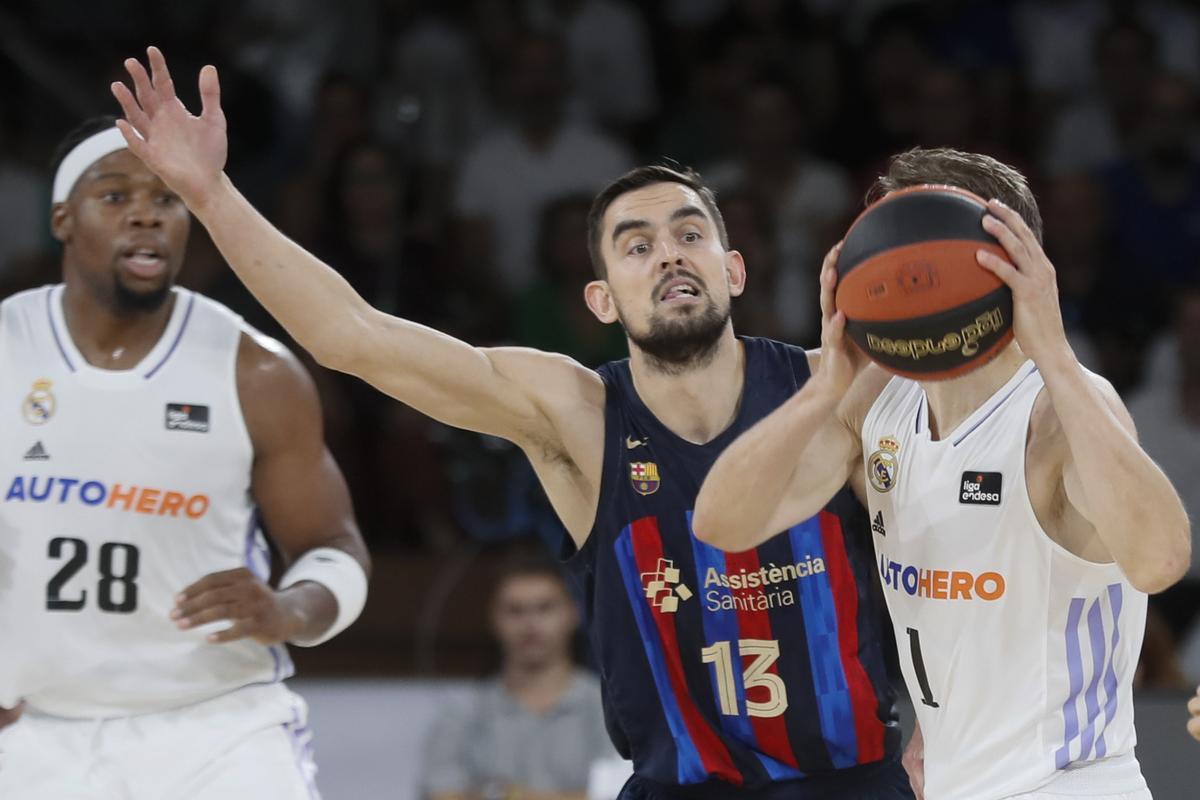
{"type": "Point", "coordinates": [441, 154]}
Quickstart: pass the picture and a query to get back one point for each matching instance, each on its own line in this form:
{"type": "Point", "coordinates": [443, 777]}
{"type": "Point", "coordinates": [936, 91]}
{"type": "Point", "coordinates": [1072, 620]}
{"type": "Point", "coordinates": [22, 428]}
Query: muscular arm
{"type": "Point", "coordinates": [298, 487]}
{"type": "Point", "coordinates": [785, 468]}
{"type": "Point", "coordinates": [1111, 481]}
{"type": "Point", "coordinates": [303, 501]}
{"type": "Point", "coordinates": [506, 392]}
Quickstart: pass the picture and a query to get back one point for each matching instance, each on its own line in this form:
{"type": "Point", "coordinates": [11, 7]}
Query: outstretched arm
{"type": "Point", "coordinates": [1108, 477]}
{"type": "Point", "coordinates": [502, 391]}
{"type": "Point", "coordinates": [786, 467]}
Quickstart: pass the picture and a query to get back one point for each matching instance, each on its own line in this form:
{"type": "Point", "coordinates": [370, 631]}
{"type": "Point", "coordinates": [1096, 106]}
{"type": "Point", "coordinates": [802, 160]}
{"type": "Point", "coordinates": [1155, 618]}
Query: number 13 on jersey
{"type": "Point", "coordinates": [762, 654]}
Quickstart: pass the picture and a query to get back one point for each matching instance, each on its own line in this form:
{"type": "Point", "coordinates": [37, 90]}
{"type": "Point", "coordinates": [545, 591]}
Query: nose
{"type": "Point", "coordinates": [670, 255]}
{"type": "Point", "coordinates": [144, 213]}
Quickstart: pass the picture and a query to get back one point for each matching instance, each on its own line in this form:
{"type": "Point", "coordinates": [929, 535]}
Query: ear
{"type": "Point", "coordinates": [61, 222]}
{"type": "Point", "coordinates": [735, 273]}
{"type": "Point", "coordinates": [599, 299]}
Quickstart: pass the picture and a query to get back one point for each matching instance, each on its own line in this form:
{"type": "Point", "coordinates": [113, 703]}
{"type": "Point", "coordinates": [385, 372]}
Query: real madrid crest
{"type": "Point", "coordinates": [39, 404]}
{"type": "Point", "coordinates": [883, 467]}
{"type": "Point", "coordinates": [644, 476]}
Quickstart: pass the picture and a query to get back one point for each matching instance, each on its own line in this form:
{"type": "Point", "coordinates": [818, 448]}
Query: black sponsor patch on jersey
{"type": "Point", "coordinates": [980, 488]}
{"type": "Point", "coordinates": [877, 524]}
{"type": "Point", "coordinates": [187, 417]}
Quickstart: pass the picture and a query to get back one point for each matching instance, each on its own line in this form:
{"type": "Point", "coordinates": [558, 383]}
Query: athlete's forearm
{"type": "Point", "coordinates": [1136, 511]}
{"type": "Point", "coordinates": [309, 608]}
{"type": "Point", "coordinates": [311, 300]}
{"type": "Point", "coordinates": [754, 475]}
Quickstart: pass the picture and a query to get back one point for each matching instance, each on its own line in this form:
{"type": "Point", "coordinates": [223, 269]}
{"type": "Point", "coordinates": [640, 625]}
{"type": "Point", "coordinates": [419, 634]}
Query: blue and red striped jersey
{"type": "Point", "coordinates": [730, 668]}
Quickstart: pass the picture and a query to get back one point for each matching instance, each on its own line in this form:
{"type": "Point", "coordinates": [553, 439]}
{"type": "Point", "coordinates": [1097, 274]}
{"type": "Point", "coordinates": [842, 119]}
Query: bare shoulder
{"type": "Point", "coordinates": [557, 383]}
{"type": "Point", "coordinates": [277, 393]}
{"type": "Point", "coordinates": [1045, 423]}
{"type": "Point", "coordinates": [862, 395]}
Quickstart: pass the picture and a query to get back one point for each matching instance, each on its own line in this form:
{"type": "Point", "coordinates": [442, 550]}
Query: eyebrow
{"type": "Point", "coordinates": [106, 175]}
{"type": "Point", "coordinates": [677, 214]}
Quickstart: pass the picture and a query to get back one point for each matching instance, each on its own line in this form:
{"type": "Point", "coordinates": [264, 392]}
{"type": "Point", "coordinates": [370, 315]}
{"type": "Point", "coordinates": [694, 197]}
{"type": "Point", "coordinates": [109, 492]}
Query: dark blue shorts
{"type": "Point", "coordinates": [883, 780]}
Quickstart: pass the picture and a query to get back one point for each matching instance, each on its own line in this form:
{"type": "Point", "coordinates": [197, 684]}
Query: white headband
{"type": "Point", "coordinates": [81, 158]}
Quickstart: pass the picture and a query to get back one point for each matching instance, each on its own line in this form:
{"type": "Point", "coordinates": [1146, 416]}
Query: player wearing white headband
{"type": "Point", "coordinates": [149, 442]}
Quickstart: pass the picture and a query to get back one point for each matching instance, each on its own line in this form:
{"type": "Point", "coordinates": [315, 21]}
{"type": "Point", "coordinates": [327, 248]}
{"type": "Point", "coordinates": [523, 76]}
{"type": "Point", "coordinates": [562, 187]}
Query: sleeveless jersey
{"type": "Point", "coordinates": [729, 668]}
{"type": "Point", "coordinates": [119, 489]}
{"type": "Point", "coordinates": [1019, 655]}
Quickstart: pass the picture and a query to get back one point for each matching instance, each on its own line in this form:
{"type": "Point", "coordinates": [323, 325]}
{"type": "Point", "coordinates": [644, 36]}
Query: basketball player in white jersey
{"type": "Point", "coordinates": [148, 433]}
{"type": "Point", "coordinates": [1018, 525]}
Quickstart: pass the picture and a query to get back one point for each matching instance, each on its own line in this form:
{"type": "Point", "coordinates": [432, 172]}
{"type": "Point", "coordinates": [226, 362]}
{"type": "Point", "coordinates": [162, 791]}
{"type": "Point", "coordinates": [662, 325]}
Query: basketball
{"type": "Point", "coordinates": [915, 299]}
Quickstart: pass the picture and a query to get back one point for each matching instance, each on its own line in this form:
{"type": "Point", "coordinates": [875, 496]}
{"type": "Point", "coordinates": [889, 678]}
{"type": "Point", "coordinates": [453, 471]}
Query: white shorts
{"type": "Point", "coordinates": [250, 744]}
{"type": "Point", "coordinates": [1116, 778]}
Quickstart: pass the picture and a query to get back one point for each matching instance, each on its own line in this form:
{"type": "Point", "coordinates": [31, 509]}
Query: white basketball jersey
{"type": "Point", "coordinates": [117, 490]}
{"type": "Point", "coordinates": [1019, 656]}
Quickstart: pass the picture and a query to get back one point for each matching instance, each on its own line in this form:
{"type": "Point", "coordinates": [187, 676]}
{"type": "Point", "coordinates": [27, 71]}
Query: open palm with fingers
{"type": "Point", "coordinates": [186, 151]}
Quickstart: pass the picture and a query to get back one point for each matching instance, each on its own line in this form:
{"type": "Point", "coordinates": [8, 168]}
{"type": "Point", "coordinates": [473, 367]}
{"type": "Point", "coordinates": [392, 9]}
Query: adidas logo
{"type": "Point", "coordinates": [37, 453]}
{"type": "Point", "coordinates": [877, 524]}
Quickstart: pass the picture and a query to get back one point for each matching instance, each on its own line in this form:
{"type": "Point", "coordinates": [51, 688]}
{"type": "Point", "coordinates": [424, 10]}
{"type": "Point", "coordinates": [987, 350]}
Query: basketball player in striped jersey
{"type": "Point", "coordinates": [1018, 525]}
{"type": "Point", "coordinates": [148, 433]}
{"type": "Point", "coordinates": [757, 675]}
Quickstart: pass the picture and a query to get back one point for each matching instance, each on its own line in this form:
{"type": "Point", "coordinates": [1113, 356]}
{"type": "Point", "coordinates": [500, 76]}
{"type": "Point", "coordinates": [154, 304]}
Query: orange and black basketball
{"type": "Point", "coordinates": [916, 300]}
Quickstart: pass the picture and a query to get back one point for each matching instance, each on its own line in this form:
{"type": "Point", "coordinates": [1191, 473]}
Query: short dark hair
{"type": "Point", "coordinates": [529, 561]}
{"type": "Point", "coordinates": [975, 172]}
{"type": "Point", "coordinates": [636, 179]}
{"type": "Point", "coordinates": [83, 130]}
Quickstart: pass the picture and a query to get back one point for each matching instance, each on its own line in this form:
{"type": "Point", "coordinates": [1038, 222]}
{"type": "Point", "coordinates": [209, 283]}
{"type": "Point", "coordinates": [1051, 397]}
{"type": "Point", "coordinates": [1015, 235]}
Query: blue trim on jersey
{"type": "Point", "coordinates": [689, 768]}
{"type": "Point", "coordinates": [54, 331]}
{"type": "Point", "coordinates": [1115, 594]}
{"type": "Point", "coordinates": [187, 315]}
{"type": "Point", "coordinates": [1032, 369]}
{"type": "Point", "coordinates": [1062, 757]}
{"type": "Point", "coordinates": [722, 626]}
{"type": "Point", "coordinates": [834, 708]}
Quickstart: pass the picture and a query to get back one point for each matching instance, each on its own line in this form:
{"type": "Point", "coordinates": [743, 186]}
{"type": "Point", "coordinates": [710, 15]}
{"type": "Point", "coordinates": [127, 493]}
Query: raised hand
{"type": "Point", "coordinates": [238, 596]}
{"type": "Point", "coordinates": [841, 360]}
{"type": "Point", "coordinates": [186, 151]}
{"type": "Point", "coordinates": [1037, 319]}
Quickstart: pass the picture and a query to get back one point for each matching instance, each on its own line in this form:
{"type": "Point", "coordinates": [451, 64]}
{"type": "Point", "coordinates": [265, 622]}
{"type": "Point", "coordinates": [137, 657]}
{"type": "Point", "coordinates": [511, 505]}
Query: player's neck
{"type": "Point", "coordinates": [539, 688]}
{"type": "Point", "coordinates": [110, 339]}
{"type": "Point", "coordinates": [952, 401]}
{"type": "Point", "coordinates": [694, 404]}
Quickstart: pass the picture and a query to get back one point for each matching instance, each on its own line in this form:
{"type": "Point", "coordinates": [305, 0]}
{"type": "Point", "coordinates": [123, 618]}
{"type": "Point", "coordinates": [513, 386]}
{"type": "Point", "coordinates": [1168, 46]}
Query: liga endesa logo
{"type": "Point", "coordinates": [940, 584]}
{"type": "Point", "coordinates": [135, 499]}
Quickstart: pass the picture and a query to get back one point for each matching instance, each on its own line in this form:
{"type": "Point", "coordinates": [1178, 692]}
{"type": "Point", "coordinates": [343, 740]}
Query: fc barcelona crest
{"type": "Point", "coordinates": [644, 476]}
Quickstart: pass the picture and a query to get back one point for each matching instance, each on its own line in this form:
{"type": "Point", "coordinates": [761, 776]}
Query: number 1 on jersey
{"type": "Point", "coordinates": [914, 643]}
{"type": "Point", "coordinates": [765, 652]}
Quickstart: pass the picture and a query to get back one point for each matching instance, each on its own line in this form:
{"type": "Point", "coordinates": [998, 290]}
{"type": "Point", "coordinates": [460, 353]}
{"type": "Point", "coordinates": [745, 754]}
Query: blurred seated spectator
{"type": "Point", "coordinates": [809, 200]}
{"type": "Point", "coordinates": [1098, 126]}
{"type": "Point", "coordinates": [1167, 414]}
{"type": "Point", "coordinates": [1153, 195]}
{"type": "Point", "coordinates": [551, 313]}
{"type": "Point", "coordinates": [608, 50]}
{"type": "Point", "coordinates": [510, 173]}
{"type": "Point", "coordinates": [534, 730]}
{"type": "Point", "coordinates": [24, 193]}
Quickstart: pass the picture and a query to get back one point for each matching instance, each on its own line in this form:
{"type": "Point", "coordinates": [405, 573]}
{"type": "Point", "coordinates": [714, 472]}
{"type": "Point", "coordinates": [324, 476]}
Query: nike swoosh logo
{"type": "Point", "coordinates": [631, 443]}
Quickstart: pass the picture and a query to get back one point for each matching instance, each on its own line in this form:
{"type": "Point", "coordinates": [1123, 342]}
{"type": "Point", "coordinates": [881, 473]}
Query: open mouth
{"type": "Point", "coordinates": [680, 290]}
{"type": "Point", "coordinates": [144, 262]}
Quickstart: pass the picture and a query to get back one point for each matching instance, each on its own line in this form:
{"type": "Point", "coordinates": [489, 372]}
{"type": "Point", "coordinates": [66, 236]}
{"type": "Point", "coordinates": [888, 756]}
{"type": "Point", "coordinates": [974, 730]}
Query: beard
{"type": "Point", "coordinates": [674, 346]}
{"type": "Point", "coordinates": [127, 301]}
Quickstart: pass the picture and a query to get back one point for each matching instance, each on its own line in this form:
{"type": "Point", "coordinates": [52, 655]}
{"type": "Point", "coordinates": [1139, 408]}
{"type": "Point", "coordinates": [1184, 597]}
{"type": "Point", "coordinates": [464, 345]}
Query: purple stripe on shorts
{"type": "Point", "coordinates": [1095, 623]}
{"type": "Point", "coordinates": [1115, 598]}
{"type": "Point", "coordinates": [301, 738]}
{"type": "Point", "coordinates": [1075, 670]}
